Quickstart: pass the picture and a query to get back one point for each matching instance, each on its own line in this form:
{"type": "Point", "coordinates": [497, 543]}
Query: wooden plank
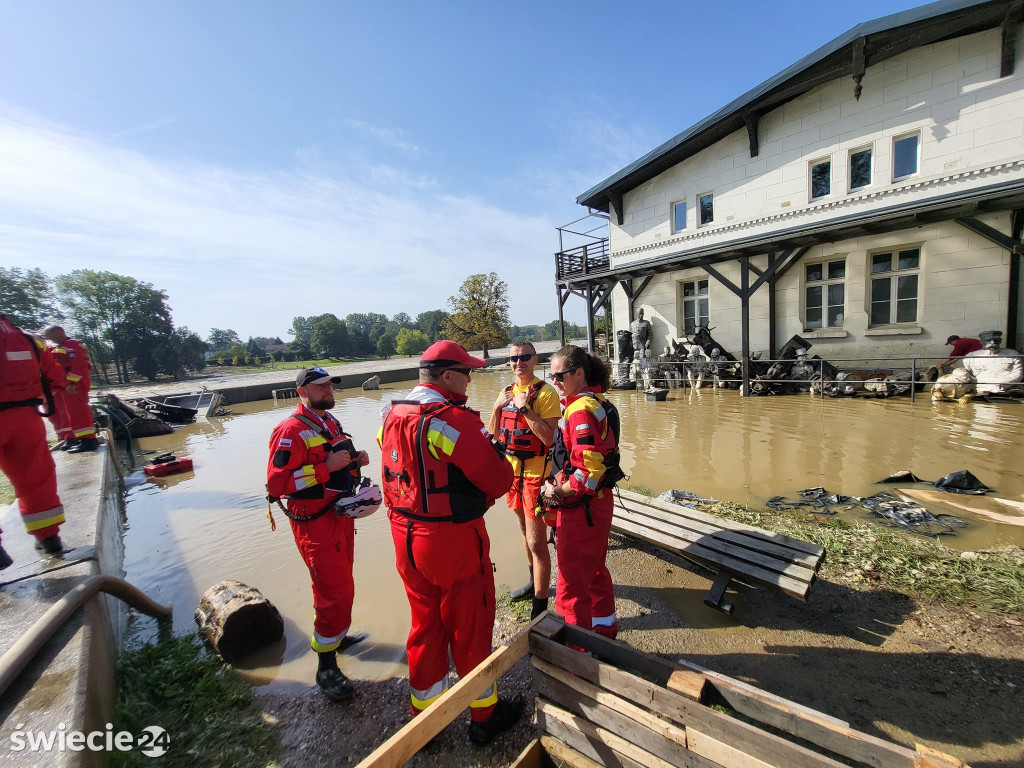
{"type": "Point", "coordinates": [736, 538]}
{"type": "Point", "coordinates": [800, 571]}
{"type": "Point", "coordinates": [532, 756]}
{"type": "Point", "coordinates": [607, 747]}
{"type": "Point", "coordinates": [563, 754]}
{"type": "Point", "coordinates": [926, 757]}
{"type": "Point", "coordinates": [681, 710]}
{"type": "Point", "coordinates": [791, 586]}
{"type": "Point", "coordinates": [662, 728]}
{"type": "Point", "coordinates": [397, 750]}
{"type": "Point", "coordinates": [578, 700]}
{"type": "Point", "coordinates": [721, 522]}
{"type": "Point", "coordinates": [722, 753]}
{"type": "Point", "coordinates": [690, 684]}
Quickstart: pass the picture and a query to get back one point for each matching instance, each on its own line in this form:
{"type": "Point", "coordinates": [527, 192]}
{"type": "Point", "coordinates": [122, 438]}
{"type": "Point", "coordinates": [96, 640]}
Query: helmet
{"type": "Point", "coordinates": [365, 501]}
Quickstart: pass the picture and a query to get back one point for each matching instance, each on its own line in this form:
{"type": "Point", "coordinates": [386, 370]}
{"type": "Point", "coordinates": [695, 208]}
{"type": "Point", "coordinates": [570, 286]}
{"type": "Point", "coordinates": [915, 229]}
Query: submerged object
{"type": "Point", "coordinates": [961, 482]}
{"type": "Point", "coordinates": [168, 465]}
{"type": "Point", "coordinates": [991, 507]}
{"type": "Point", "coordinates": [902, 476]}
{"type": "Point", "coordinates": [906, 514]}
{"type": "Point", "coordinates": [686, 499]}
{"type": "Point", "coordinates": [237, 619]}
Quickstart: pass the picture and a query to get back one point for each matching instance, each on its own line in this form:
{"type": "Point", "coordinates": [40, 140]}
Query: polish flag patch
{"type": "Point", "coordinates": [582, 430]}
{"type": "Point", "coordinates": [285, 442]}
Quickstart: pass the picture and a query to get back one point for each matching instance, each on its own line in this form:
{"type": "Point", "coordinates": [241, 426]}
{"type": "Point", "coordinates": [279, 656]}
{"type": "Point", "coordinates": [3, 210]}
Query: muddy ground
{"type": "Point", "coordinates": [893, 666]}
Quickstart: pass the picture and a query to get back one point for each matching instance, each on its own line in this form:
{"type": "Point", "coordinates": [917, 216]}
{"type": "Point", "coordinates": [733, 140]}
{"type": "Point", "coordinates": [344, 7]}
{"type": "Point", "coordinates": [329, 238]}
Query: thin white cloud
{"type": "Point", "coordinates": [249, 251]}
{"type": "Point", "coordinates": [392, 137]}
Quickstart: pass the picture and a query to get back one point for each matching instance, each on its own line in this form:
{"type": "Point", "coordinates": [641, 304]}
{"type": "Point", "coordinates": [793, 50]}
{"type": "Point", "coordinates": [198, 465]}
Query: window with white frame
{"type": "Point", "coordinates": [825, 294]}
{"type": "Point", "coordinates": [894, 286]}
{"type": "Point", "coordinates": [706, 208]}
{"type": "Point", "coordinates": [905, 155]}
{"type": "Point", "coordinates": [860, 168]}
{"type": "Point", "coordinates": [695, 305]}
{"type": "Point", "coordinates": [821, 177]}
{"type": "Point", "coordinates": [679, 216]}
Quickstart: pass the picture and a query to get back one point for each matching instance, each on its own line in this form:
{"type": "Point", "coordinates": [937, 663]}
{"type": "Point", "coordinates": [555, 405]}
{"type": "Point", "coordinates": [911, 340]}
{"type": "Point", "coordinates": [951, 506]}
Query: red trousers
{"type": "Point", "coordinates": [72, 417]}
{"type": "Point", "coordinates": [327, 546]}
{"type": "Point", "coordinates": [25, 459]}
{"type": "Point", "coordinates": [449, 580]}
{"type": "Point", "coordinates": [583, 593]}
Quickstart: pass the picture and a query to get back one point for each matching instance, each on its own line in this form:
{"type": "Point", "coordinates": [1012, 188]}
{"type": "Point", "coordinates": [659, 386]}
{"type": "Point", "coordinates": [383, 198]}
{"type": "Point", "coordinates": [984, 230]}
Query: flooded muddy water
{"type": "Point", "coordinates": [186, 532]}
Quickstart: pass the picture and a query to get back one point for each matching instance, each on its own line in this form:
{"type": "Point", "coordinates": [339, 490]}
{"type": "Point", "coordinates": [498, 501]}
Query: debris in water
{"type": "Point", "coordinates": [686, 499]}
{"type": "Point", "coordinates": [961, 482]}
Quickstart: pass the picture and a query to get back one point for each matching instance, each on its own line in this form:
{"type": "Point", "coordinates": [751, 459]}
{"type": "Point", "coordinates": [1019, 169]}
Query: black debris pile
{"type": "Point", "coordinates": [962, 482]}
{"type": "Point", "coordinates": [901, 476]}
{"type": "Point", "coordinates": [817, 500]}
{"type": "Point", "coordinates": [686, 499]}
{"type": "Point", "coordinates": [912, 517]}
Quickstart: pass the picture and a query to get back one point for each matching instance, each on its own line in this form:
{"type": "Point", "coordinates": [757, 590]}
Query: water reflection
{"type": "Point", "coordinates": [186, 532]}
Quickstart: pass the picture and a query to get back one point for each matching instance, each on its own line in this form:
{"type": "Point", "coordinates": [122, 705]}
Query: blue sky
{"type": "Point", "coordinates": [262, 160]}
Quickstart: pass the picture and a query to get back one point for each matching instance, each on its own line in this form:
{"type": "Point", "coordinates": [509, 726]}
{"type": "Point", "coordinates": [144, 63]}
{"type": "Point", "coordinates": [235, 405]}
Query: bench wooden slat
{"type": "Point", "coordinates": [795, 587]}
{"type": "Point", "coordinates": [730, 536]}
{"type": "Point", "coordinates": [797, 571]}
{"type": "Point", "coordinates": [721, 522]}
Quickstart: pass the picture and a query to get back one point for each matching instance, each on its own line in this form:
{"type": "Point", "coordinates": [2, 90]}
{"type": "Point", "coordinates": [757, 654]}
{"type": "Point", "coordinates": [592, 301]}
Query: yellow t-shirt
{"type": "Point", "coordinates": [547, 406]}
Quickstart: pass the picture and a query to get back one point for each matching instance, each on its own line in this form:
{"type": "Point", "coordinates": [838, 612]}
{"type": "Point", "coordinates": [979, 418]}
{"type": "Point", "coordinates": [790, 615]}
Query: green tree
{"type": "Point", "coordinates": [432, 323]}
{"type": "Point", "coordinates": [386, 345]}
{"type": "Point", "coordinates": [133, 317]}
{"type": "Point", "coordinates": [366, 328]}
{"type": "Point", "coordinates": [182, 351]}
{"type": "Point", "coordinates": [479, 313]}
{"type": "Point", "coordinates": [27, 298]}
{"type": "Point", "coordinates": [302, 330]}
{"type": "Point", "coordinates": [220, 339]}
{"type": "Point", "coordinates": [402, 320]}
{"type": "Point", "coordinates": [411, 341]}
{"type": "Point", "coordinates": [330, 336]}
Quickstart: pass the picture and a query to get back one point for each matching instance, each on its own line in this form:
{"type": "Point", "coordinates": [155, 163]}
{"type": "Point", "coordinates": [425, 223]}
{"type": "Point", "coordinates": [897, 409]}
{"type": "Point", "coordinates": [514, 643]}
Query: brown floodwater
{"type": "Point", "coordinates": [187, 532]}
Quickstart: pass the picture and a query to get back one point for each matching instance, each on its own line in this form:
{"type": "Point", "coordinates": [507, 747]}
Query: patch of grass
{"type": "Point", "coordinates": [208, 711]}
{"type": "Point", "coordinates": [6, 490]}
{"type": "Point", "coordinates": [865, 555]}
{"type": "Point", "coordinates": [519, 611]}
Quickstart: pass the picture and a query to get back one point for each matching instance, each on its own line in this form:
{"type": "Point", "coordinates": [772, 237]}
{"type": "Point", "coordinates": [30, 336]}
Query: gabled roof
{"type": "Point", "coordinates": [849, 54]}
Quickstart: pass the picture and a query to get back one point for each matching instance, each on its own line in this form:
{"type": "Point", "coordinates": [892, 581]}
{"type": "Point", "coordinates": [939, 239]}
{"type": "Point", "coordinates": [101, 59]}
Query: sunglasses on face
{"type": "Point", "coordinates": [516, 358]}
{"type": "Point", "coordinates": [559, 375]}
{"type": "Point", "coordinates": [467, 372]}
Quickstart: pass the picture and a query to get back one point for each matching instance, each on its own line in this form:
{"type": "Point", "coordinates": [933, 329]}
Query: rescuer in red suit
{"type": "Point", "coordinates": [585, 456]}
{"type": "Point", "coordinates": [27, 373]}
{"type": "Point", "coordinates": [441, 472]}
{"type": "Point", "coordinates": [72, 419]}
{"type": "Point", "coordinates": [313, 464]}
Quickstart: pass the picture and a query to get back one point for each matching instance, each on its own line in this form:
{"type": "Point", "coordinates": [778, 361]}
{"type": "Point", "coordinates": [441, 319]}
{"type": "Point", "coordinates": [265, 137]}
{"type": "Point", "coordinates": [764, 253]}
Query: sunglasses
{"type": "Point", "coordinates": [464, 371]}
{"type": "Point", "coordinates": [516, 358]}
{"type": "Point", "coordinates": [559, 375]}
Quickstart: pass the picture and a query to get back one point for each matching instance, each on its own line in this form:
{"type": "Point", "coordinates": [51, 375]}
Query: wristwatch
{"type": "Point", "coordinates": [523, 409]}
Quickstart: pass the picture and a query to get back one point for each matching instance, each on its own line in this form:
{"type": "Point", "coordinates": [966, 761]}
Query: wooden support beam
{"type": "Point", "coordinates": [722, 279]}
{"type": "Point", "coordinates": [788, 261]}
{"type": "Point", "coordinates": [745, 322]}
{"type": "Point", "coordinates": [1008, 49]}
{"type": "Point", "coordinates": [770, 272]}
{"type": "Point", "coordinates": [590, 318]}
{"type": "Point", "coordinates": [561, 315]}
{"type": "Point", "coordinates": [755, 269]}
{"type": "Point", "coordinates": [1013, 297]}
{"type": "Point", "coordinates": [615, 202]}
{"type": "Point", "coordinates": [991, 234]}
{"type": "Point", "coordinates": [750, 119]}
{"type": "Point", "coordinates": [858, 67]}
{"type": "Point", "coordinates": [772, 323]}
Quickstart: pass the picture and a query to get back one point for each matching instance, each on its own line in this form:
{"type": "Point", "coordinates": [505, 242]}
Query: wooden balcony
{"type": "Point", "coordinates": [582, 260]}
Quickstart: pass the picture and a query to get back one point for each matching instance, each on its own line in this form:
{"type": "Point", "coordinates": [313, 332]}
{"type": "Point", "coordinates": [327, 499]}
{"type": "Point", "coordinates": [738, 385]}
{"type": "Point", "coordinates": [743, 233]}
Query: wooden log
{"type": "Point", "coordinates": [237, 619]}
{"type": "Point", "coordinates": [926, 757]}
{"type": "Point", "coordinates": [607, 748]}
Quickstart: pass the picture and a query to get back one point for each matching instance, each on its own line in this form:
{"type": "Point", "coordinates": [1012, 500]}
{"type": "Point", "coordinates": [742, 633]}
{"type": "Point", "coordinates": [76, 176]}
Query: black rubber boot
{"type": "Point", "coordinates": [540, 604]}
{"type": "Point", "coordinates": [504, 716]}
{"type": "Point", "coordinates": [65, 445]}
{"type": "Point", "coordinates": [334, 685]}
{"type": "Point", "coordinates": [51, 545]}
{"type": "Point", "coordinates": [349, 640]}
{"type": "Point", "coordinates": [525, 592]}
{"type": "Point", "coordinates": [5, 559]}
{"type": "Point", "coordinates": [85, 445]}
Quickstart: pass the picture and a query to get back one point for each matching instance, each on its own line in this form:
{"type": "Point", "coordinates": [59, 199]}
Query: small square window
{"type": "Point", "coordinates": [706, 204]}
{"type": "Point", "coordinates": [821, 178]}
{"type": "Point", "coordinates": [904, 156]}
{"type": "Point", "coordinates": [679, 216]}
{"type": "Point", "coordinates": [836, 270]}
{"type": "Point", "coordinates": [860, 168]}
{"type": "Point", "coordinates": [814, 272]}
{"type": "Point", "coordinates": [881, 262]}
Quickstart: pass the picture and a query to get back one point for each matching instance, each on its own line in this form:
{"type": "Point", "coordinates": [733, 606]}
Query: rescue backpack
{"type": "Point", "coordinates": [560, 455]}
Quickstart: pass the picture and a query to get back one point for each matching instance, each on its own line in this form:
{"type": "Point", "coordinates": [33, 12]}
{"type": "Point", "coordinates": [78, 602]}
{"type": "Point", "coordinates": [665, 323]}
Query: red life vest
{"type": "Point", "coordinates": [514, 431]}
{"type": "Point", "coordinates": [20, 378]}
{"type": "Point", "coordinates": [415, 484]}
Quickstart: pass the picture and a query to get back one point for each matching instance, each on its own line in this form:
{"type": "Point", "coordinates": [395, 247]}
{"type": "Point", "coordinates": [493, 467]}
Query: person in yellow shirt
{"type": "Point", "coordinates": [524, 419]}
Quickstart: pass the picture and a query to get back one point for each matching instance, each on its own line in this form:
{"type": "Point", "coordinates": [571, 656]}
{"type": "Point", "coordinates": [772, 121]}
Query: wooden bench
{"type": "Point", "coordinates": [734, 550]}
{"type": "Point", "coordinates": [613, 706]}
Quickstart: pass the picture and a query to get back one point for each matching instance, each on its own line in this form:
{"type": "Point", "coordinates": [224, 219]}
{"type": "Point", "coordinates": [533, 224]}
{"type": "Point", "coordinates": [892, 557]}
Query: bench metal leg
{"type": "Point", "coordinates": [715, 597]}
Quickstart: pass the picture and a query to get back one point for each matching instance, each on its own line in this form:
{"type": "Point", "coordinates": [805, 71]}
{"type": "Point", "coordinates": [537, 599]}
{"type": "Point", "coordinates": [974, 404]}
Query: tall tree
{"type": "Point", "coordinates": [302, 330]}
{"type": "Point", "coordinates": [411, 341]}
{"type": "Point", "coordinates": [386, 344]}
{"type": "Point", "coordinates": [431, 323]}
{"type": "Point", "coordinates": [479, 313]}
{"type": "Point", "coordinates": [220, 339]}
{"type": "Point", "coordinates": [26, 297]}
{"type": "Point", "coordinates": [132, 316]}
{"type": "Point", "coordinates": [403, 320]}
{"type": "Point", "coordinates": [330, 336]}
{"type": "Point", "coordinates": [182, 351]}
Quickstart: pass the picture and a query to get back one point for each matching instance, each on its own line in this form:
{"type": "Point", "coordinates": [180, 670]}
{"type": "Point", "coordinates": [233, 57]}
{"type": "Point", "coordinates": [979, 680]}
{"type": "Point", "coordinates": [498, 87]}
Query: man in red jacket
{"type": "Point", "coordinates": [313, 465]}
{"type": "Point", "coordinates": [27, 373]}
{"type": "Point", "coordinates": [441, 472]}
{"type": "Point", "coordinates": [73, 418]}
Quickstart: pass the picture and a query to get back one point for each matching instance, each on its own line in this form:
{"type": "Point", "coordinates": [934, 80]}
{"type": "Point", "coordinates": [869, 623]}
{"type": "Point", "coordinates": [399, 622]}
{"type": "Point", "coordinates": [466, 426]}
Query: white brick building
{"type": "Point", "coordinates": [869, 198]}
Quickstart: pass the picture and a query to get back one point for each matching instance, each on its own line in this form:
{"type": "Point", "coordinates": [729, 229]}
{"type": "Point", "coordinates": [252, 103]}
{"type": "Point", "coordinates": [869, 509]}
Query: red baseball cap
{"type": "Point", "coordinates": [449, 353]}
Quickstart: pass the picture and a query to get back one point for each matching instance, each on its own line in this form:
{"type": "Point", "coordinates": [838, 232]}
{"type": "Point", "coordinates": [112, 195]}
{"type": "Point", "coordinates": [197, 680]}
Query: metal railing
{"type": "Point", "coordinates": [583, 259]}
{"type": "Point", "coordinates": [884, 370]}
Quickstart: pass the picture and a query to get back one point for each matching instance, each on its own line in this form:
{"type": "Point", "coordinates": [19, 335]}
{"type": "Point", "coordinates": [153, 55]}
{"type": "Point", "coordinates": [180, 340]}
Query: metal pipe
{"type": "Point", "coordinates": [18, 656]}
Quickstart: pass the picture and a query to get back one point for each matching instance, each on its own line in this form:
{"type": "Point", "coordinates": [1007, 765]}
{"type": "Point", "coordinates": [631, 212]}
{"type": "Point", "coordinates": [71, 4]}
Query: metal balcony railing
{"type": "Point", "coordinates": [582, 260]}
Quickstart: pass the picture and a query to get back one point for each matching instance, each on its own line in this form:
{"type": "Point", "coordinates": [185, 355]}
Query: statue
{"type": "Point", "coordinates": [641, 330]}
{"type": "Point", "coordinates": [624, 342]}
{"type": "Point", "coordinates": [802, 371]}
{"type": "Point", "coordinates": [670, 369]}
{"type": "Point", "coordinates": [696, 365]}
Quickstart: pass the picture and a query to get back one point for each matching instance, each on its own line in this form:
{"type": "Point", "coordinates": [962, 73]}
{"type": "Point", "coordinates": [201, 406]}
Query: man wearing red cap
{"type": "Point", "coordinates": [441, 472]}
{"type": "Point", "coordinates": [73, 418]}
{"type": "Point", "coordinates": [26, 367]}
{"type": "Point", "coordinates": [313, 464]}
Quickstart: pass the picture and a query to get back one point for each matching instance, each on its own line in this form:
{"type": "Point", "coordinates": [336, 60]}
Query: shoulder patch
{"type": "Point", "coordinates": [281, 458]}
